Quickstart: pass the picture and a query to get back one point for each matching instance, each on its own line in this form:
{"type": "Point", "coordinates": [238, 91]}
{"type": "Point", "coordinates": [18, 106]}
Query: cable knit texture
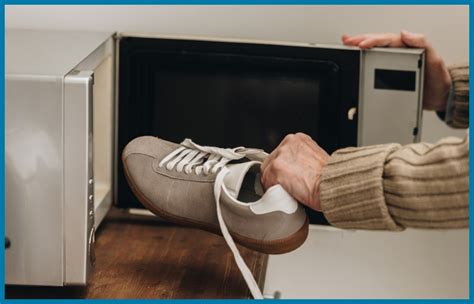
{"type": "Point", "coordinates": [390, 187]}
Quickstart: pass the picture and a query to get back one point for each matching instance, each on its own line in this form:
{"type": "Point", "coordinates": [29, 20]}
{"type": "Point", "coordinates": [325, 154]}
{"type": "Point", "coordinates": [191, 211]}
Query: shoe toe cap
{"type": "Point", "coordinates": [150, 146]}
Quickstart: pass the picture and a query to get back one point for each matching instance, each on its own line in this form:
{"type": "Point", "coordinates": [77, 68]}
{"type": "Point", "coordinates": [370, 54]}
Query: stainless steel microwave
{"type": "Point", "coordinates": [74, 99]}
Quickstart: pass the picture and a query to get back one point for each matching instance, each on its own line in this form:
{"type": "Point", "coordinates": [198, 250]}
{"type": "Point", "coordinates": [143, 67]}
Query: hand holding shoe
{"type": "Point", "coordinates": [296, 164]}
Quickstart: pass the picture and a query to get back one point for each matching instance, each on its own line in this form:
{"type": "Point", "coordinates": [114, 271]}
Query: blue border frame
{"type": "Point", "coordinates": [2, 151]}
{"type": "Point", "coordinates": [220, 2]}
{"type": "Point", "coordinates": [471, 211]}
{"type": "Point", "coordinates": [243, 2]}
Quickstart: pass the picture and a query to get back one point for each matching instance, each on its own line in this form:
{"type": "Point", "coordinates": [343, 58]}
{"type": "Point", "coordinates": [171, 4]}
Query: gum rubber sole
{"type": "Point", "coordinates": [279, 246]}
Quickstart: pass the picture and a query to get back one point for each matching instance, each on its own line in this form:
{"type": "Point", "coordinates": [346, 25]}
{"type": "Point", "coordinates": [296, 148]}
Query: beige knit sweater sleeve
{"type": "Point", "coordinates": [391, 186]}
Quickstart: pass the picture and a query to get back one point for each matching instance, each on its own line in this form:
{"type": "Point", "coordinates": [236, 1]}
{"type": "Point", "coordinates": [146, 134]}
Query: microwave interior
{"type": "Point", "coordinates": [233, 94]}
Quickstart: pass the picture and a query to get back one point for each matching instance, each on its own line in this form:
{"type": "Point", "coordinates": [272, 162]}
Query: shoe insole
{"type": "Point", "coordinates": [251, 189]}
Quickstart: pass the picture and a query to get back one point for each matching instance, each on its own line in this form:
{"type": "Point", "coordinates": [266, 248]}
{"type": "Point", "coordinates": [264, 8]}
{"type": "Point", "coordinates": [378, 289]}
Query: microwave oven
{"type": "Point", "coordinates": [73, 100]}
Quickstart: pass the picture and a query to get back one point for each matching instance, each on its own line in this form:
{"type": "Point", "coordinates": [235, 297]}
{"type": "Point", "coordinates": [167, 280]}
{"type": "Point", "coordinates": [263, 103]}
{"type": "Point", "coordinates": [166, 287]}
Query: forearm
{"type": "Point", "coordinates": [390, 186]}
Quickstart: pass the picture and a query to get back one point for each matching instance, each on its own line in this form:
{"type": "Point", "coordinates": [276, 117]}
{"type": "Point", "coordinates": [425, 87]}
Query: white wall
{"type": "Point", "coordinates": [446, 26]}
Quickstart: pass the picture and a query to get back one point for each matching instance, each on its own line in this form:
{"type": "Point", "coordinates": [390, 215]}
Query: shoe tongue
{"type": "Point", "coordinates": [233, 180]}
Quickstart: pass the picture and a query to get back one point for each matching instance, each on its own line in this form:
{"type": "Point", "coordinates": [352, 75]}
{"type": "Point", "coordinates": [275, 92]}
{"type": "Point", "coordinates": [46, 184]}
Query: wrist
{"type": "Point", "coordinates": [449, 108]}
{"type": "Point", "coordinates": [446, 84]}
{"type": "Point", "coordinates": [315, 203]}
{"type": "Point", "coordinates": [315, 195]}
{"type": "Point", "coordinates": [437, 84]}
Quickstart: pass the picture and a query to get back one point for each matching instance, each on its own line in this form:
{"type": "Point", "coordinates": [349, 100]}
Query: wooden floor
{"type": "Point", "coordinates": [142, 258]}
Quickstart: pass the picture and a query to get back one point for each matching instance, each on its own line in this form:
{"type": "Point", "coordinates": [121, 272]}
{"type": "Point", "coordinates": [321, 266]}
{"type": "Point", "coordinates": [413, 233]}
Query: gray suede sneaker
{"type": "Point", "coordinates": [217, 190]}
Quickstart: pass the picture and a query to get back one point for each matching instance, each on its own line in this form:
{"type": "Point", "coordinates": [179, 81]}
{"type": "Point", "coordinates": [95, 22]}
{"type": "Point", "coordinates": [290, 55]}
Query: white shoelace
{"type": "Point", "coordinates": [191, 156]}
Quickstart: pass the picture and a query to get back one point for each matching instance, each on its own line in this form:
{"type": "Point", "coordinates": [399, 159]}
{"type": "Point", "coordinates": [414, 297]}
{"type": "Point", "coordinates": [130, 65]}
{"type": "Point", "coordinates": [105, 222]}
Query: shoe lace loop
{"type": "Point", "coordinates": [244, 269]}
{"type": "Point", "coordinates": [205, 159]}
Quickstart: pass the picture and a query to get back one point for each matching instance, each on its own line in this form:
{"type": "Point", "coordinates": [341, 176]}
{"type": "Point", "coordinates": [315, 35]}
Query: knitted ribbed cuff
{"type": "Point", "coordinates": [351, 188]}
{"type": "Point", "coordinates": [460, 104]}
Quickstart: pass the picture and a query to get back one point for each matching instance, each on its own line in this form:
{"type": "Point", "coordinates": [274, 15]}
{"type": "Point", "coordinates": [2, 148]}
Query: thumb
{"type": "Point", "coordinates": [414, 40]}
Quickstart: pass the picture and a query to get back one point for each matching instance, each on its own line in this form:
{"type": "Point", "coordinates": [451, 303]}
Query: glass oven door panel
{"type": "Point", "coordinates": [234, 104]}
